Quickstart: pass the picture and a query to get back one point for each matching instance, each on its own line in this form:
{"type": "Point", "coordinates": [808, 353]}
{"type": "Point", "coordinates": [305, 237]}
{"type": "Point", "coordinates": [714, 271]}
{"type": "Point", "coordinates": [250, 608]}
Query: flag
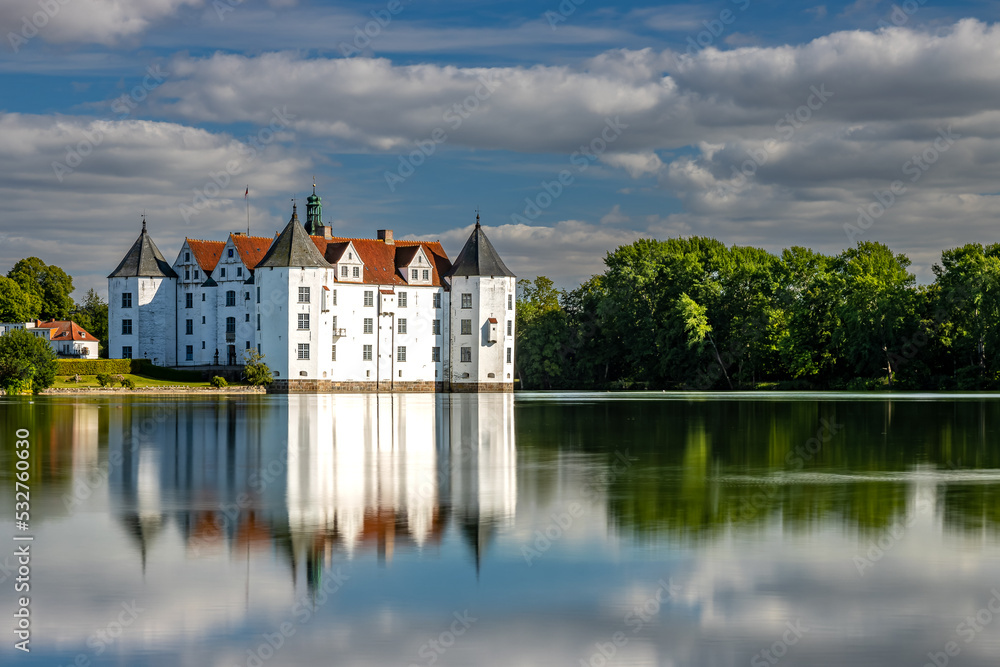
{"type": "Point", "coordinates": [247, 193]}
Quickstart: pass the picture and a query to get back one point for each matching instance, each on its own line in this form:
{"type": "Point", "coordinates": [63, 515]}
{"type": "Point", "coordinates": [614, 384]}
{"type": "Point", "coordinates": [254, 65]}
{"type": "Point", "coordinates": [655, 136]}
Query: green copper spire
{"type": "Point", "coordinates": [314, 213]}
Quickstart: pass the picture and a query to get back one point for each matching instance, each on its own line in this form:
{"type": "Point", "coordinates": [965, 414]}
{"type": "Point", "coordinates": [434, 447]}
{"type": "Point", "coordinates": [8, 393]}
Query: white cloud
{"type": "Point", "coordinates": [615, 216]}
{"type": "Point", "coordinates": [636, 164]}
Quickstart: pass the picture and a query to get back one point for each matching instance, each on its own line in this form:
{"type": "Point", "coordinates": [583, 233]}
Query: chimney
{"type": "Point", "coordinates": [386, 236]}
{"type": "Point", "coordinates": [328, 232]}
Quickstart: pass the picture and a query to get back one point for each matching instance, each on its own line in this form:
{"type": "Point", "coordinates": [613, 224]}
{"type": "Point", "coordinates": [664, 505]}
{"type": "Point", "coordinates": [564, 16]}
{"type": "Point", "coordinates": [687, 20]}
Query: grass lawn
{"type": "Point", "coordinates": [63, 381]}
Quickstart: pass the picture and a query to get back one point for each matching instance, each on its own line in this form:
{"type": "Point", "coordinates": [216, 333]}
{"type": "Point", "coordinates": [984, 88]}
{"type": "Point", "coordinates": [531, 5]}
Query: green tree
{"type": "Point", "coordinates": [543, 341]}
{"type": "Point", "coordinates": [255, 370]}
{"type": "Point", "coordinates": [92, 315]}
{"type": "Point", "coordinates": [50, 284]}
{"type": "Point", "coordinates": [27, 362]}
{"type": "Point", "coordinates": [15, 304]}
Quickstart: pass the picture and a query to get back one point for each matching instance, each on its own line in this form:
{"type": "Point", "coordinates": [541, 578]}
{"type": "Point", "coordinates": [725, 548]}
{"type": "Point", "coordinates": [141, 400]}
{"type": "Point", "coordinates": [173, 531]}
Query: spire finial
{"type": "Point", "coordinates": [314, 183]}
{"type": "Point", "coordinates": [477, 217]}
{"type": "Point", "coordinates": [143, 222]}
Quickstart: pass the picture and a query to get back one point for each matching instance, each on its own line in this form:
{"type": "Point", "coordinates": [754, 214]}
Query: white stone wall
{"type": "Point", "coordinates": [489, 299]}
{"type": "Point", "coordinates": [153, 314]}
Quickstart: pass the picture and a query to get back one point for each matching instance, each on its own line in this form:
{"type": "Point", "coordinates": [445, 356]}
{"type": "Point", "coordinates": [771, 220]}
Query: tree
{"type": "Point", "coordinates": [92, 315]}
{"type": "Point", "coordinates": [27, 362]}
{"type": "Point", "coordinates": [255, 370]}
{"type": "Point", "coordinates": [15, 304]}
{"type": "Point", "coordinates": [543, 343]}
{"type": "Point", "coordinates": [50, 284]}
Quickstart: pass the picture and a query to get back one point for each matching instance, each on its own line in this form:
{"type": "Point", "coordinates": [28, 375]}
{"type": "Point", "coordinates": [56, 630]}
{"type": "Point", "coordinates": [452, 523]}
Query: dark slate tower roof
{"type": "Point", "coordinates": [293, 247]}
{"type": "Point", "coordinates": [143, 259]}
{"type": "Point", "coordinates": [479, 257]}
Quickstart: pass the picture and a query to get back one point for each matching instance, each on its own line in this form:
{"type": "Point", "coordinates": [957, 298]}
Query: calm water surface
{"type": "Point", "coordinates": [542, 529]}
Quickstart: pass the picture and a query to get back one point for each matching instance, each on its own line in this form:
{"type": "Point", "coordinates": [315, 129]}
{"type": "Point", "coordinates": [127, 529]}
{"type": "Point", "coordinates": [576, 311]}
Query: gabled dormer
{"type": "Point", "coordinates": [413, 265]}
{"type": "Point", "coordinates": [348, 263]}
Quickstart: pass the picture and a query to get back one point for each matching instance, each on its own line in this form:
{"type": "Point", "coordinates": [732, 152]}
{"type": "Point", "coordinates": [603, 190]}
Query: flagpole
{"type": "Point", "coordinates": [246, 196]}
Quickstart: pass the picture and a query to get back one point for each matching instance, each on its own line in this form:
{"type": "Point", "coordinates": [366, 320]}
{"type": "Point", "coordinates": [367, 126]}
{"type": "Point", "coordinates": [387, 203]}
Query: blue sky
{"type": "Point", "coordinates": [762, 123]}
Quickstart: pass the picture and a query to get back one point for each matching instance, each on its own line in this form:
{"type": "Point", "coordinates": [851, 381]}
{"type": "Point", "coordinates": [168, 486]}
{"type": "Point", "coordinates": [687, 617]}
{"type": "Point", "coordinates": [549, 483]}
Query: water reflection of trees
{"type": "Point", "coordinates": [705, 466]}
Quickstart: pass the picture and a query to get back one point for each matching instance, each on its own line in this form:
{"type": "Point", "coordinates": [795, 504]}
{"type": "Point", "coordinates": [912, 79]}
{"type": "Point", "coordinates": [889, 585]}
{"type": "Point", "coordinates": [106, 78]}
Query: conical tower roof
{"type": "Point", "coordinates": [293, 247]}
{"type": "Point", "coordinates": [479, 257]}
{"type": "Point", "coordinates": [143, 259]}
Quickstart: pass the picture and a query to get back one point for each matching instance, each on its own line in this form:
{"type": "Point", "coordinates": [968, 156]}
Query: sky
{"type": "Point", "coordinates": [572, 126]}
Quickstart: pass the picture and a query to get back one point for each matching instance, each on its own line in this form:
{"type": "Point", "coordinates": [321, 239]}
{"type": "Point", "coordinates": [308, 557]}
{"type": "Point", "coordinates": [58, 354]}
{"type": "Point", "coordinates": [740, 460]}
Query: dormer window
{"type": "Point", "coordinates": [413, 274]}
{"type": "Point", "coordinates": [187, 257]}
{"type": "Point", "coordinates": [239, 271]}
{"type": "Point", "coordinates": [230, 253]}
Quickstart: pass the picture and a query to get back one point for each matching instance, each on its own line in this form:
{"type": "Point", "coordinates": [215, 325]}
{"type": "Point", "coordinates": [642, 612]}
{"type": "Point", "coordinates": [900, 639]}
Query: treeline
{"type": "Point", "coordinates": [34, 290]}
{"type": "Point", "coordinates": [694, 314]}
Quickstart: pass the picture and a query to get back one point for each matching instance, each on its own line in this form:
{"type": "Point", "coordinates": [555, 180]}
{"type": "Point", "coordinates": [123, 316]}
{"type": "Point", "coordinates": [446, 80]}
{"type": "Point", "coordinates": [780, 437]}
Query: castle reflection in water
{"type": "Point", "coordinates": [316, 476]}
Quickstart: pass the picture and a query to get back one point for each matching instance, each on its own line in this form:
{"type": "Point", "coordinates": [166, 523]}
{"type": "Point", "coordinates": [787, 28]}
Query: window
{"type": "Point", "coordinates": [413, 274]}
{"type": "Point", "coordinates": [303, 295]}
{"type": "Point", "coordinates": [197, 274]}
{"type": "Point", "coordinates": [510, 327]}
{"type": "Point", "coordinates": [239, 271]}
{"type": "Point", "coordinates": [366, 352]}
{"type": "Point", "coordinates": [246, 318]}
{"type": "Point", "coordinates": [126, 327]}
{"type": "Point", "coordinates": [202, 319]}
{"type": "Point", "coordinates": [231, 298]}
{"type": "Point", "coordinates": [202, 296]}
{"type": "Point", "coordinates": [369, 298]}
{"type": "Point", "coordinates": [402, 300]}
{"type": "Point", "coordinates": [334, 354]}
{"type": "Point", "coordinates": [343, 272]}
{"type": "Point", "coordinates": [401, 325]}
{"type": "Point", "coordinates": [189, 327]}
{"type": "Point", "coordinates": [246, 296]}
{"type": "Point", "coordinates": [126, 299]}
{"type": "Point", "coordinates": [510, 302]}
{"type": "Point", "coordinates": [258, 295]}
{"type": "Point", "coordinates": [466, 354]}
{"type": "Point", "coordinates": [303, 321]}
{"type": "Point", "coordinates": [369, 325]}
{"type": "Point", "coordinates": [247, 347]}
{"type": "Point", "coordinates": [189, 300]}
{"type": "Point", "coordinates": [189, 352]}
{"type": "Point", "coordinates": [187, 274]}
{"type": "Point", "coordinates": [127, 352]}
{"type": "Point", "coordinates": [435, 354]}
{"type": "Point", "coordinates": [203, 345]}
{"type": "Point", "coordinates": [437, 300]}
{"type": "Point", "coordinates": [427, 274]}
{"type": "Point", "coordinates": [436, 327]}
{"type": "Point", "coordinates": [303, 350]}
{"type": "Point", "coordinates": [187, 257]}
{"type": "Point", "coordinates": [508, 354]}
{"type": "Point", "coordinates": [357, 272]}
{"type": "Point", "coordinates": [334, 325]}
{"type": "Point", "coordinates": [230, 325]}
{"type": "Point", "coordinates": [466, 301]}
{"type": "Point", "coordinates": [230, 253]}
{"type": "Point", "coordinates": [401, 353]}
{"type": "Point", "coordinates": [335, 297]}
{"type": "Point", "coordinates": [258, 322]}
{"type": "Point", "coordinates": [222, 272]}
{"type": "Point", "coordinates": [466, 327]}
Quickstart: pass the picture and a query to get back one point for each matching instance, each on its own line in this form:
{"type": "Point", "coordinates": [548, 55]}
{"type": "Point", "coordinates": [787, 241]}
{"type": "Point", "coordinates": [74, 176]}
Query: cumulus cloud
{"type": "Point", "coordinates": [86, 21]}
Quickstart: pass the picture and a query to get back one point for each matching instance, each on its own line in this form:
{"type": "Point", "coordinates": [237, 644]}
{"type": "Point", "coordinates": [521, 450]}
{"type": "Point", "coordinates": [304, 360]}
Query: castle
{"type": "Point", "coordinates": [328, 313]}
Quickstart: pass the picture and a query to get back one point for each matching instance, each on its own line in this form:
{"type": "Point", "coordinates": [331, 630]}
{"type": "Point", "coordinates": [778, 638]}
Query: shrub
{"type": "Point", "coordinates": [219, 382]}
{"type": "Point", "coordinates": [27, 362]}
{"type": "Point", "coordinates": [97, 366]}
{"type": "Point", "coordinates": [104, 379]}
{"type": "Point", "coordinates": [128, 383]}
{"type": "Point", "coordinates": [256, 371]}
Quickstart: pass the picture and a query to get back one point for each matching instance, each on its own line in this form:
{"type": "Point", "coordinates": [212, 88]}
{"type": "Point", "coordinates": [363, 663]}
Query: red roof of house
{"type": "Point", "coordinates": [65, 331]}
{"type": "Point", "coordinates": [251, 248]}
{"type": "Point", "coordinates": [207, 253]}
{"type": "Point", "coordinates": [380, 258]}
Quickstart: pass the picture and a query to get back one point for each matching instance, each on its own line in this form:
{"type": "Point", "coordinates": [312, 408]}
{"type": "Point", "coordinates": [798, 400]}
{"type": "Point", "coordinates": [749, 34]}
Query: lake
{"type": "Point", "coordinates": [536, 529]}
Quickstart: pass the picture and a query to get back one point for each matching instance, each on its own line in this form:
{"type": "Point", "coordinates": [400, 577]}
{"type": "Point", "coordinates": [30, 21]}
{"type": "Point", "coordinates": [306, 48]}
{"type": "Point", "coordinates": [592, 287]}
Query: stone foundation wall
{"type": "Point", "coordinates": [482, 387]}
{"type": "Point", "coordinates": [358, 387]}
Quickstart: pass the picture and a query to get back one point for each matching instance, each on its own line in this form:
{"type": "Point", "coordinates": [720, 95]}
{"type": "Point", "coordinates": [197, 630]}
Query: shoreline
{"type": "Point", "coordinates": [53, 391]}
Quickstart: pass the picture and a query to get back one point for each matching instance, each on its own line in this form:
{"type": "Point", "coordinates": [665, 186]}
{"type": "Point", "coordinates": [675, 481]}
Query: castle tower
{"type": "Point", "coordinates": [296, 332]}
{"type": "Point", "coordinates": [142, 305]}
{"type": "Point", "coordinates": [482, 318]}
{"type": "Point", "coordinates": [314, 214]}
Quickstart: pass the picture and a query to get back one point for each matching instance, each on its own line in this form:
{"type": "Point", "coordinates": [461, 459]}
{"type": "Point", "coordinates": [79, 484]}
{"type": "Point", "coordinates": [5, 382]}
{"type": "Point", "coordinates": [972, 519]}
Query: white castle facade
{"type": "Point", "coordinates": [328, 313]}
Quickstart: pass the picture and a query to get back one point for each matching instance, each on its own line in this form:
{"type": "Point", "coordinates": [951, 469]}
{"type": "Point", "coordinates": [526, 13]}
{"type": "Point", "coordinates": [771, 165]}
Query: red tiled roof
{"type": "Point", "coordinates": [207, 253]}
{"type": "Point", "coordinates": [62, 330]}
{"type": "Point", "coordinates": [251, 248]}
{"type": "Point", "coordinates": [380, 259]}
